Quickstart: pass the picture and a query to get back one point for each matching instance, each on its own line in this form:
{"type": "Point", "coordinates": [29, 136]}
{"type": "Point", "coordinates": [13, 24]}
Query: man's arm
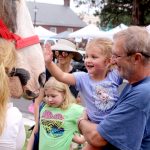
{"type": "Point", "coordinates": [89, 131]}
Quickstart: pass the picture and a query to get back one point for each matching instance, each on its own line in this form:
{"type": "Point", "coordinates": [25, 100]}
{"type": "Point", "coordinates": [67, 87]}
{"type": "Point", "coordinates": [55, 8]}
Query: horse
{"type": "Point", "coordinates": [15, 16]}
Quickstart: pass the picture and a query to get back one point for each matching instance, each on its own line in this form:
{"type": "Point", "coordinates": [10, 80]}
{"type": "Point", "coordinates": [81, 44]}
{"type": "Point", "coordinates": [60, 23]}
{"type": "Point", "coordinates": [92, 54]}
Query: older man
{"type": "Point", "coordinates": [128, 126]}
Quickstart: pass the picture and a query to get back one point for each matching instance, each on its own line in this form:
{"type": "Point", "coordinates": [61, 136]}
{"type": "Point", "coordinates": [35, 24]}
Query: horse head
{"type": "Point", "coordinates": [30, 61]}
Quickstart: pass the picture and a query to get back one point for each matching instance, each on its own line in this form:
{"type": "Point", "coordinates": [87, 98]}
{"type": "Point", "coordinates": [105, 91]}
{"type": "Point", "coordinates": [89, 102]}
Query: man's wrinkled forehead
{"type": "Point", "coordinates": [118, 45]}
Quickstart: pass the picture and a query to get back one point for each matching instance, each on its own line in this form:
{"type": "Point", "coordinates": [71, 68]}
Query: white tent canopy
{"type": "Point", "coordinates": [42, 32]}
{"type": "Point", "coordinates": [62, 35]}
{"type": "Point", "coordinates": [102, 34]}
{"type": "Point", "coordinates": [148, 28]}
{"type": "Point", "coordinates": [110, 33]}
{"type": "Point", "coordinates": [85, 32]}
{"type": "Point", "coordinates": [91, 31]}
{"type": "Point", "coordinates": [117, 29]}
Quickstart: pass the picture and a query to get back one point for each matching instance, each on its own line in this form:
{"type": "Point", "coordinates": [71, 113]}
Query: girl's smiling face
{"type": "Point", "coordinates": [96, 63]}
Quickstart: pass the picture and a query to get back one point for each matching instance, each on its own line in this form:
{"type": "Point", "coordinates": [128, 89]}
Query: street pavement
{"type": "Point", "coordinates": [28, 120]}
{"type": "Point", "coordinates": [23, 105]}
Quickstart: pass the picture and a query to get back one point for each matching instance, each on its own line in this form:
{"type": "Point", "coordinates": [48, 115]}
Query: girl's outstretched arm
{"type": "Point", "coordinates": [37, 103]}
{"type": "Point", "coordinates": [31, 139]}
{"type": "Point", "coordinates": [55, 71]}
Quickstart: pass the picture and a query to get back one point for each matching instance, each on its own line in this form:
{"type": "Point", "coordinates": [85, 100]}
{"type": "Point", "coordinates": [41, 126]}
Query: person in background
{"type": "Point", "coordinates": [127, 127]}
{"type": "Point", "coordinates": [58, 118]}
{"type": "Point", "coordinates": [99, 86]}
{"type": "Point", "coordinates": [12, 131]}
{"type": "Point", "coordinates": [64, 52]}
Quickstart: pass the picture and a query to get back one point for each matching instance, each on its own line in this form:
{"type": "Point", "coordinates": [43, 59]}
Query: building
{"type": "Point", "coordinates": [56, 18]}
{"type": "Point", "coordinates": [90, 19]}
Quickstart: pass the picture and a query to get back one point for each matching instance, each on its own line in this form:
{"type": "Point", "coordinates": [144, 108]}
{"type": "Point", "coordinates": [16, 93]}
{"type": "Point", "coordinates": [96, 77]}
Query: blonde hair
{"type": "Point", "coordinates": [61, 87]}
{"type": "Point", "coordinates": [103, 44]}
{"type": "Point", "coordinates": [7, 62]}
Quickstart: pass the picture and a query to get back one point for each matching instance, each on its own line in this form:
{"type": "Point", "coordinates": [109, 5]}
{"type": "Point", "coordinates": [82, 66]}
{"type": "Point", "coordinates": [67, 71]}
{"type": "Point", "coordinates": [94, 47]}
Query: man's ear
{"type": "Point", "coordinates": [137, 58]}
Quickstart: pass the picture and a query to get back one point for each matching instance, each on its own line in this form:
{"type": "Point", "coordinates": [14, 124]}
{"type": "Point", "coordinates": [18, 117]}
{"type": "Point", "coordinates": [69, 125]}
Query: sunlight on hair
{"type": "Point", "coordinates": [7, 60]}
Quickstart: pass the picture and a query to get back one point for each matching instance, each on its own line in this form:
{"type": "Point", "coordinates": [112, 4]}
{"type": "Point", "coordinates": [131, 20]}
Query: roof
{"type": "Point", "coordinates": [55, 15]}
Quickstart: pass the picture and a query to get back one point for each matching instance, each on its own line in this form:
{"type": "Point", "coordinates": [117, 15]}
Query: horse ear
{"type": "Point", "coordinates": [8, 13]}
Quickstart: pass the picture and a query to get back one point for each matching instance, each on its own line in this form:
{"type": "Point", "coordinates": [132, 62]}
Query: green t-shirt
{"type": "Point", "coordinates": [57, 127]}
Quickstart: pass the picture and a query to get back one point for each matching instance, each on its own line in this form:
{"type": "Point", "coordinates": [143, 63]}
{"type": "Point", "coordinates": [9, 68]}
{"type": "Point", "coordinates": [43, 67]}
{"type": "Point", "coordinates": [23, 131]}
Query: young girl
{"type": "Point", "coordinates": [58, 118]}
{"type": "Point", "coordinates": [99, 86]}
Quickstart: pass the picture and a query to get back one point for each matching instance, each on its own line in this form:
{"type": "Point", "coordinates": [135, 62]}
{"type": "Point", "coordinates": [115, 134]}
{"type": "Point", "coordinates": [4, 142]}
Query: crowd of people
{"type": "Point", "coordinates": [84, 106]}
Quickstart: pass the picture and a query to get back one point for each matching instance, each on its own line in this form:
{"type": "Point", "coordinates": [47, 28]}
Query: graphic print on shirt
{"type": "Point", "coordinates": [53, 123]}
{"type": "Point", "coordinates": [103, 96]}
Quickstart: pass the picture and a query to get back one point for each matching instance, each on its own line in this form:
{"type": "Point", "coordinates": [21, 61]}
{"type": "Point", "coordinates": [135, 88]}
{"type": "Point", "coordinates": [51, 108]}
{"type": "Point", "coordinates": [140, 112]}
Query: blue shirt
{"type": "Point", "coordinates": [127, 127]}
{"type": "Point", "coordinates": [98, 96]}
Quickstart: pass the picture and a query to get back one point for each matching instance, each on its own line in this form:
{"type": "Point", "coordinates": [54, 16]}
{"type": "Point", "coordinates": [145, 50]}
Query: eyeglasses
{"type": "Point", "coordinates": [115, 56]}
{"type": "Point", "coordinates": [62, 53]}
{"type": "Point", "coordinates": [144, 54]}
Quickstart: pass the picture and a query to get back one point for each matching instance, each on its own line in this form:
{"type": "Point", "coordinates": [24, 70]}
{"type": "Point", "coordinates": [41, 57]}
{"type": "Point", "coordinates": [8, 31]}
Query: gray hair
{"type": "Point", "coordinates": [136, 39]}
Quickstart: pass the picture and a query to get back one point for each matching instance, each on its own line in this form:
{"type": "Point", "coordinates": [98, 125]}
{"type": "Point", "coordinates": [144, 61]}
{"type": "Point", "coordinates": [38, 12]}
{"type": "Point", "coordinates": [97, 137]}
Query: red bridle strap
{"type": "Point", "coordinates": [19, 42]}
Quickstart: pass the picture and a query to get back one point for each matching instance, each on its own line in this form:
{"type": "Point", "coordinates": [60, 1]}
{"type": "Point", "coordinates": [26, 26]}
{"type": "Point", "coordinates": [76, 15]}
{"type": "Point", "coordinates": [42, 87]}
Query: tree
{"type": "Point", "coordinates": [114, 12]}
{"type": "Point", "coordinates": [131, 12]}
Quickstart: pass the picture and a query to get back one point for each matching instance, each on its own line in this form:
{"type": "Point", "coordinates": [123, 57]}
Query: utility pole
{"type": "Point", "coordinates": [35, 13]}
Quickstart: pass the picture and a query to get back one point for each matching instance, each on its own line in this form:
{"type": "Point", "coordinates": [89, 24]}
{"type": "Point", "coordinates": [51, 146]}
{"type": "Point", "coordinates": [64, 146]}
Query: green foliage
{"type": "Point", "coordinates": [114, 12]}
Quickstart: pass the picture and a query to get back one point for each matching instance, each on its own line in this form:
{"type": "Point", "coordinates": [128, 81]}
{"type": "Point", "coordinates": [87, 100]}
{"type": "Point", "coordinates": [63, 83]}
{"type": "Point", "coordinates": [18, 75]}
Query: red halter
{"type": "Point", "coordinates": [19, 42]}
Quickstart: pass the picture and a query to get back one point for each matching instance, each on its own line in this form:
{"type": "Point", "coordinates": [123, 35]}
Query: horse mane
{"type": "Point", "coordinates": [8, 13]}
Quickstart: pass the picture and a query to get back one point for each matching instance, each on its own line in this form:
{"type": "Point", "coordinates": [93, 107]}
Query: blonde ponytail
{"type": "Point", "coordinates": [4, 95]}
{"type": "Point", "coordinates": [7, 62]}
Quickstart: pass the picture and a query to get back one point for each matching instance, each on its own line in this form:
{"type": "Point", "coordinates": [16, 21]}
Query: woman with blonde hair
{"type": "Point", "coordinates": [12, 132]}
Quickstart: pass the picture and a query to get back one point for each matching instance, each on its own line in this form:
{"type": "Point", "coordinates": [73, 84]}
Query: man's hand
{"type": "Point", "coordinates": [89, 131]}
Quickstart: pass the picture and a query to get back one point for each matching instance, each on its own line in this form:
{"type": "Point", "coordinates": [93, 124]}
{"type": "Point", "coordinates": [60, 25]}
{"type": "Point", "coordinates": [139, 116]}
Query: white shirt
{"type": "Point", "coordinates": [13, 137]}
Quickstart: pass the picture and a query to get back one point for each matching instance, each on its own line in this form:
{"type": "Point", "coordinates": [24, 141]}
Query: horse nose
{"type": "Point", "coordinates": [30, 94]}
{"type": "Point", "coordinates": [23, 75]}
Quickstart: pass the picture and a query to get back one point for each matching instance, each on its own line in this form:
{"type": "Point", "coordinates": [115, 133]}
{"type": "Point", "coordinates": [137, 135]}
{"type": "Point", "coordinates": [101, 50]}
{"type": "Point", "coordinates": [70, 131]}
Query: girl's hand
{"type": "Point", "coordinates": [48, 54]}
{"type": "Point", "coordinates": [84, 115]}
{"type": "Point", "coordinates": [78, 138]}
